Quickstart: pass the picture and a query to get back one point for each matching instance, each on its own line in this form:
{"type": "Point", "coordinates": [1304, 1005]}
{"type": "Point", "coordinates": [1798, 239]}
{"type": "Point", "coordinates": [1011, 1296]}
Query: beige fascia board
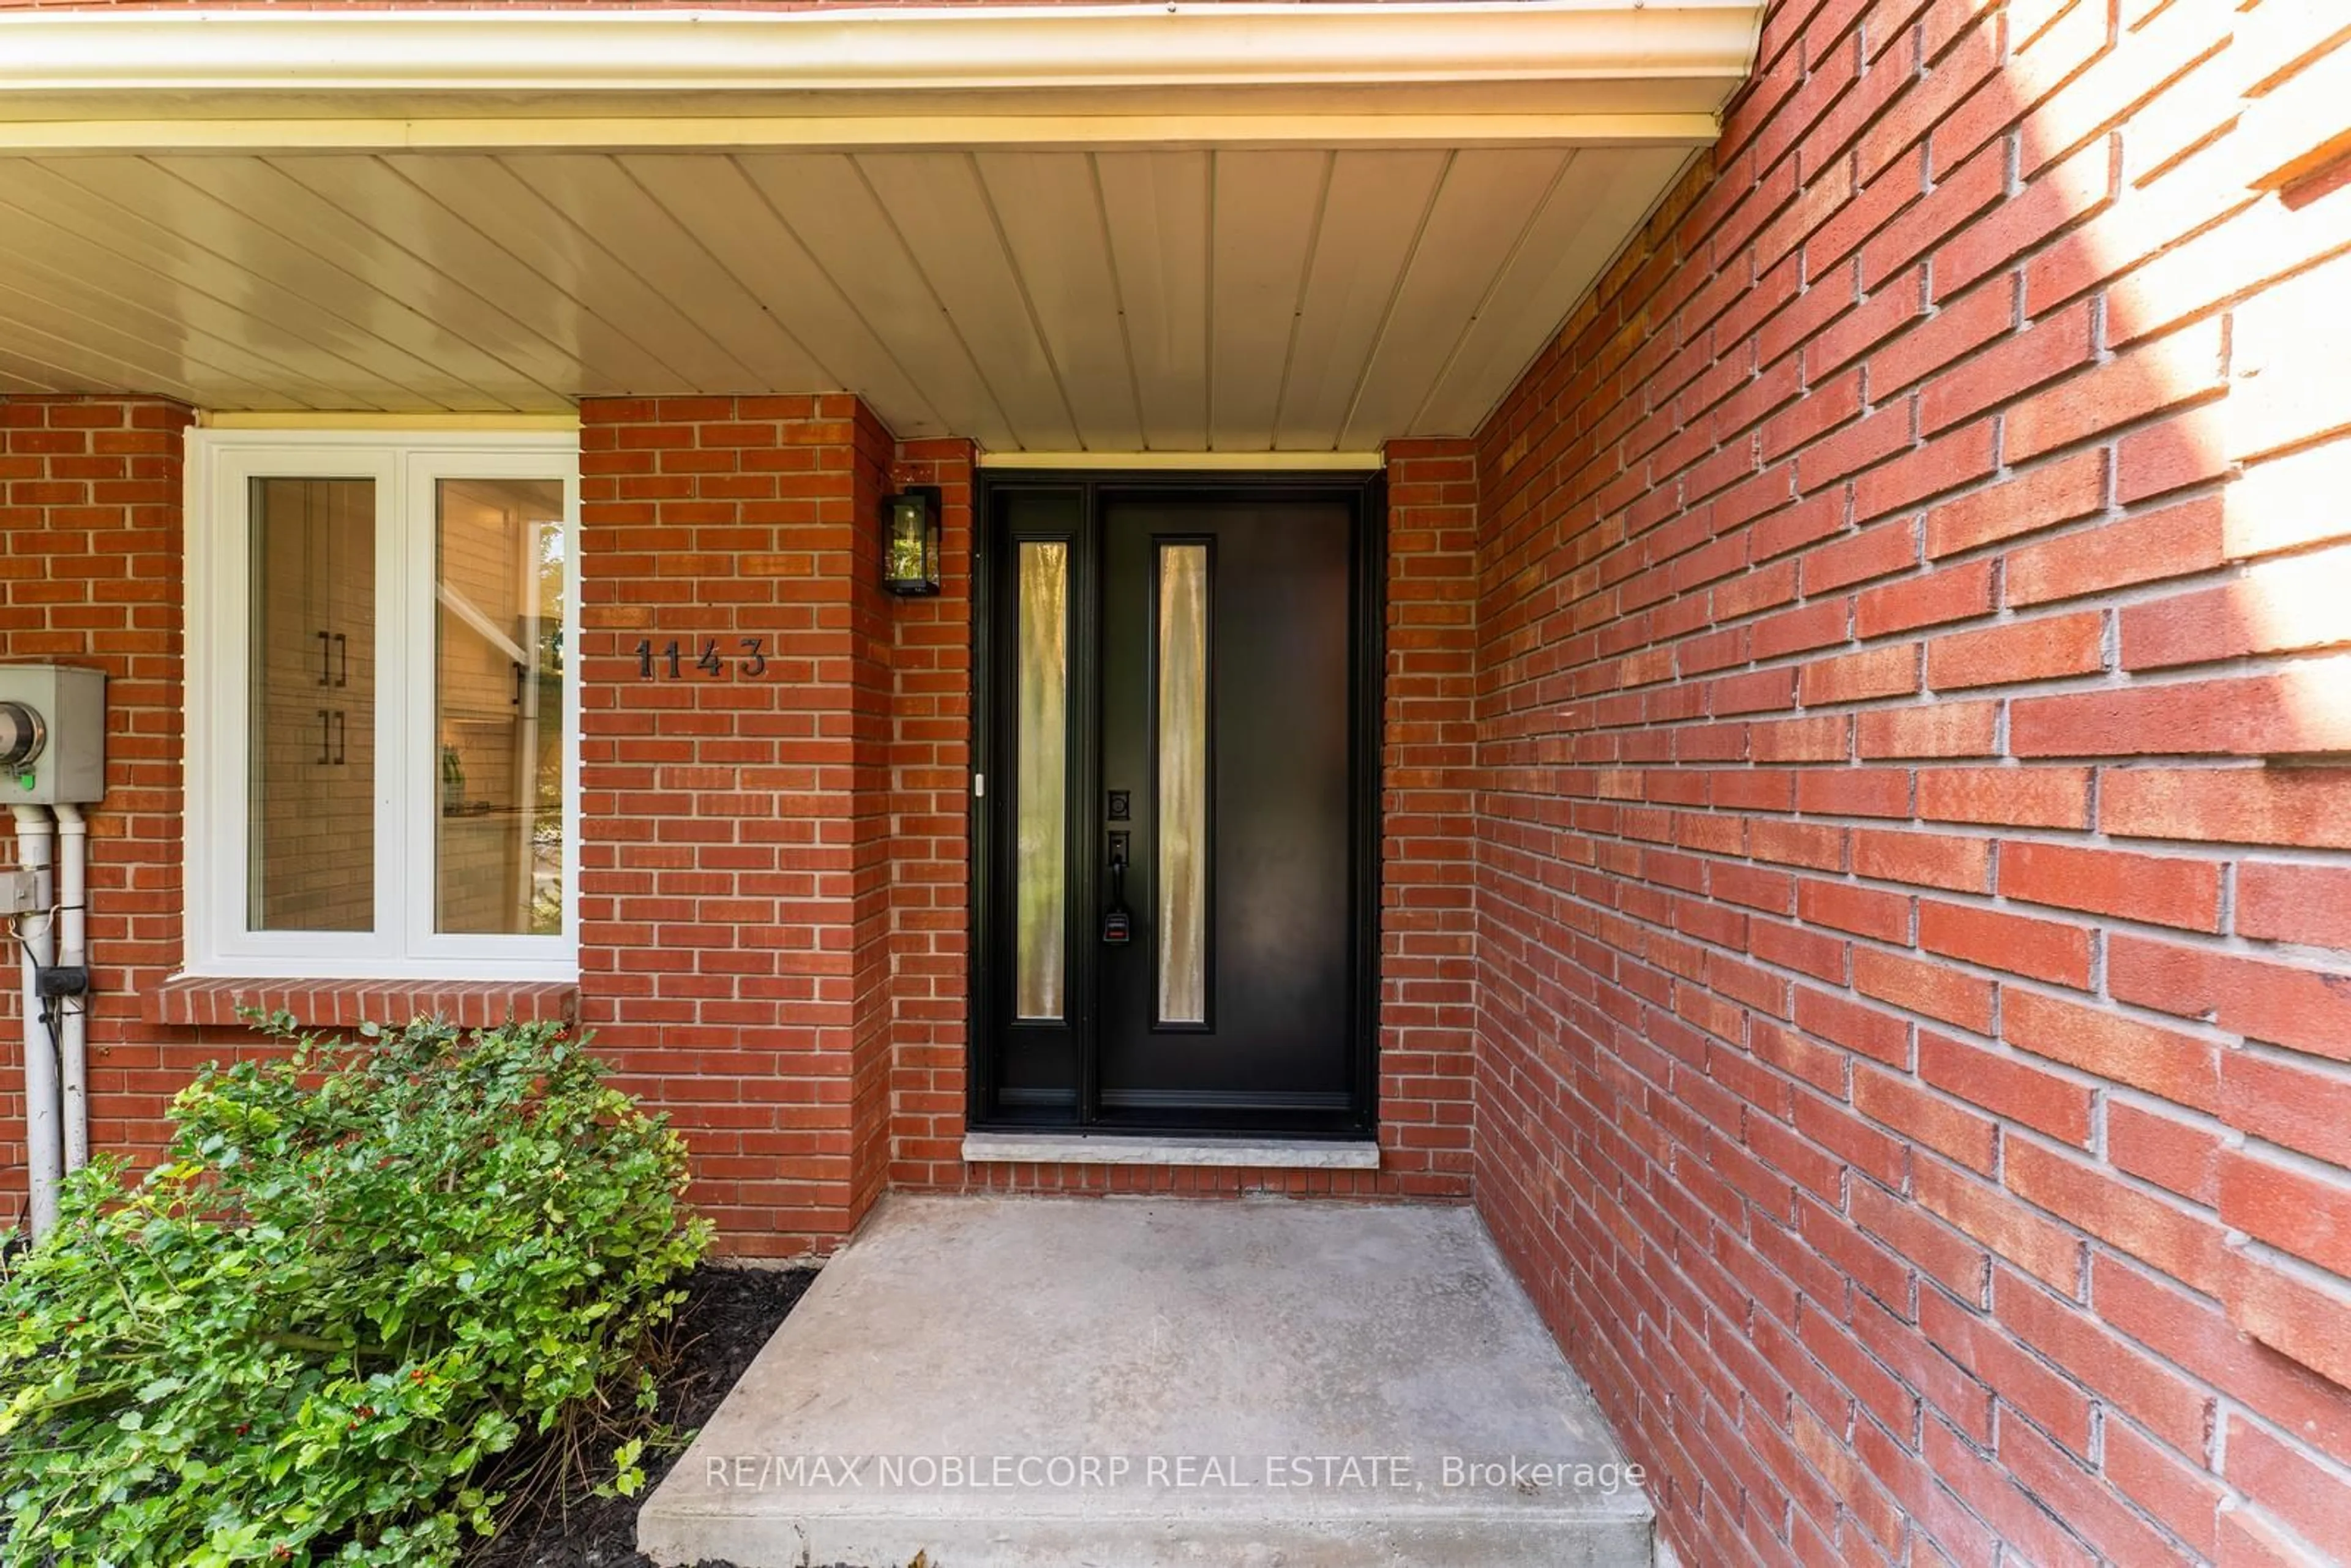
{"type": "Point", "coordinates": [1453, 73]}
{"type": "Point", "coordinates": [910, 47]}
{"type": "Point", "coordinates": [812, 133]}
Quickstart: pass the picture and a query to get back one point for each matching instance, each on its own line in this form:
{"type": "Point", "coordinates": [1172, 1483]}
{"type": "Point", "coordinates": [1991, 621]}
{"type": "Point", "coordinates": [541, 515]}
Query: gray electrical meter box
{"type": "Point", "coordinates": [52, 736]}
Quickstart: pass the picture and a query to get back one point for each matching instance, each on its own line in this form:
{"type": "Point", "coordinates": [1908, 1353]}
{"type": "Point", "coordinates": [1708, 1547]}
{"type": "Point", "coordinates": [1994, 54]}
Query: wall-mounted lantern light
{"type": "Point", "coordinates": [910, 541]}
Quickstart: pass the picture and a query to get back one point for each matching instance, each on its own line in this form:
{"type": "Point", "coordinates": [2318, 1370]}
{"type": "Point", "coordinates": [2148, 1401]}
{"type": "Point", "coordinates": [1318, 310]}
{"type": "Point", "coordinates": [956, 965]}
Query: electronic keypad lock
{"type": "Point", "coordinates": [1118, 926]}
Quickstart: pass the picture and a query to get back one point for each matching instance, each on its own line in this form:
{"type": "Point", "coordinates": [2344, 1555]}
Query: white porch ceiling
{"type": "Point", "coordinates": [1226, 228]}
{"type": "Point", "coordinates": [1120, 300]}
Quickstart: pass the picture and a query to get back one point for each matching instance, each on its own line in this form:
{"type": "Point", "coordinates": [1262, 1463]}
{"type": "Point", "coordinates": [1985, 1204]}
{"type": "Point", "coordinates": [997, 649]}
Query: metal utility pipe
{"type": "Point", "coordinates": [33, 945]}
{"type": "Point", "coordinates": [73, 953]}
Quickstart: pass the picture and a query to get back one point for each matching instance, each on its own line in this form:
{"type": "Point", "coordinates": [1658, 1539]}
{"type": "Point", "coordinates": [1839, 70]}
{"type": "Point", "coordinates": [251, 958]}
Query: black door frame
{"type": "Point", "coordinates": [1366, 492]}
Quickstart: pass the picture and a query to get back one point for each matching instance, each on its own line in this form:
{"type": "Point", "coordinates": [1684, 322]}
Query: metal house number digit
{"type": "Point", "coordinates": [667, 661]}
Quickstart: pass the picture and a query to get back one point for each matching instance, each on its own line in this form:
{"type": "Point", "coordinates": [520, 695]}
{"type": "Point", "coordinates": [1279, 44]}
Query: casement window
{"type": "Point", "coordinates": [383, 713]}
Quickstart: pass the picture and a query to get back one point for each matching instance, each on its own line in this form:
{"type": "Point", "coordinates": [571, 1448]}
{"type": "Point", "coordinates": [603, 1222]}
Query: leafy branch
{"type": "Point", "coordinates": [361, 1273]}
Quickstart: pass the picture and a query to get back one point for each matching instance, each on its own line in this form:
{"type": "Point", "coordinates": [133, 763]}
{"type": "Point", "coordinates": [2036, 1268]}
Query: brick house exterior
{"type": "Point", "coordinates": [1911, 1023]}
{"type": "Point", "coordinates": [1863, 835]}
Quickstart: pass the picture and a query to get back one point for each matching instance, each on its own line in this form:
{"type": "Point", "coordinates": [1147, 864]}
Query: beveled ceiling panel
{"type": "Point", "coordinates": [1167, 299]}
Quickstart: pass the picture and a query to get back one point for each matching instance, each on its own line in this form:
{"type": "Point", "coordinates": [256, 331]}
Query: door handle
{"type": "Point", "coordinates": [1118, 926]}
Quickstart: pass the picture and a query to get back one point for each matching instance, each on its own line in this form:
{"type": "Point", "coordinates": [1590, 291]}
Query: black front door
{"type": "Point", "coordinates": [1174, 882]}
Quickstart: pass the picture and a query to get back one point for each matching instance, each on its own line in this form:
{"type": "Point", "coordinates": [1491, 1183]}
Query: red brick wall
{"type": "Point", "coordinates": [1428, 997]}
{"type": "Point", "coordinates": [774, 869]}
{"type": "Point", "coordinates": [930, 805]}
{"type": "Point", "coordinates": [89, 574]}
{"type": "Point", "coordinates": [873, 627]}
{"type": "Point", "coordinates": [1915, 1018]}
{"type": "Point", "coordinates": [735, 884]}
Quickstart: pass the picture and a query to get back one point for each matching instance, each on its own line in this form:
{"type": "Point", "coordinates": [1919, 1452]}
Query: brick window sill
{"type": "Point", "coordinates": [199, 1002]}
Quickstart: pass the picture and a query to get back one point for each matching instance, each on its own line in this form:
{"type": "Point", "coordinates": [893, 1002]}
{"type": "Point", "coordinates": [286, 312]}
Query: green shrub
{"type": "Point", "coordinates": [359, 1273]}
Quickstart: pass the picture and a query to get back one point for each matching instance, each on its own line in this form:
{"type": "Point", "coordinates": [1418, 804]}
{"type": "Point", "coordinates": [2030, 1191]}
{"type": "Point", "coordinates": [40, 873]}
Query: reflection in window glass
{"type": "Point", "coordinates": [1183, 805]}
{"type": "Point", "coordinates": [1040, 883]}
{"type": "Point", "coordinates": [498, 708]}
{"type": "Point", "coordinates": [311, 760]}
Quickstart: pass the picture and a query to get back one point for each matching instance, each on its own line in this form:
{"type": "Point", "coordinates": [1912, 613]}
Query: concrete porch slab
{"type": "Point", "coordinates": [1039, 1383]}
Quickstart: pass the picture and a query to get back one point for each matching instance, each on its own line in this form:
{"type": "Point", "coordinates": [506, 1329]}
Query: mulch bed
{"type": "Point", "coordinates": [727, 1315]}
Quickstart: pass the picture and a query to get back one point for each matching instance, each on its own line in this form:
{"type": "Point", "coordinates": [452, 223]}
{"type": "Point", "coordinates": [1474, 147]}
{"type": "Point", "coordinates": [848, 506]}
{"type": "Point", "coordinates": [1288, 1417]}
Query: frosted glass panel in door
{"type": "Point", "coordinates": [1182, 734]}
{"type": "Point", "coordinates": [1041, 785]}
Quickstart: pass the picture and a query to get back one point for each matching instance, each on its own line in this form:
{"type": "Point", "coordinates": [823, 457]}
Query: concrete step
{"type": "Point", "coordinates": [1040, 1382]}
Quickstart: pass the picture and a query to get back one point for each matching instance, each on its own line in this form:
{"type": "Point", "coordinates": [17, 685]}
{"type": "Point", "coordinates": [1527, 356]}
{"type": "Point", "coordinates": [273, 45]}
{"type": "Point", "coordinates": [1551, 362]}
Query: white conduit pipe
{"type": "Point", "coordinates": [42, 1142]}
{"type": "Point", "coordinates": [73, 953]}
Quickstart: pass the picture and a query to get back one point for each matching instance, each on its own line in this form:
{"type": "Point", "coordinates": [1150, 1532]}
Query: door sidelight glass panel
{"type": "Point", "coordinates": [311, 761]}
{"type": "Point", "coordinates": [1181, 728]}
{"type": "Point", "coordinates": [497, 708]}
{"type": "Point", "coordinates": [1040, 880]}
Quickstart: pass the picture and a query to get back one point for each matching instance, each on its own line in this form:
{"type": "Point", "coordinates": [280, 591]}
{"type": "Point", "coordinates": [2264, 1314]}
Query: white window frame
{"type": "Point", "coordinates": [404, 466]}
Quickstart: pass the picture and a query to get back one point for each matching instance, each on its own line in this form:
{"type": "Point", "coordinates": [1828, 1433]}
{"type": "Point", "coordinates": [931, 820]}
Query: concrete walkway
{"type": "Point", "coordinates": [1038, 1383]}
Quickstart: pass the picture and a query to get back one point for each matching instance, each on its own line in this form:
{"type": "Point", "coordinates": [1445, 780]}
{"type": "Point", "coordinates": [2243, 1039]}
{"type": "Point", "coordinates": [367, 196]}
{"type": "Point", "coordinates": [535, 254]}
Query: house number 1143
{"type": "Point", "coordinates": [668, 662]}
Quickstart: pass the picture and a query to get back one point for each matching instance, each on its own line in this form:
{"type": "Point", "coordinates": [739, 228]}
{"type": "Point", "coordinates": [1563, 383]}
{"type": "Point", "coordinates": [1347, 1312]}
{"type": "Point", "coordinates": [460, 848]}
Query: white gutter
{"type": "Point", "coordinates": [883, 49]}
{"type": "Point", "coordinates": [1455, 73]}
{"type": "Point", "coordinates": [252, 134]}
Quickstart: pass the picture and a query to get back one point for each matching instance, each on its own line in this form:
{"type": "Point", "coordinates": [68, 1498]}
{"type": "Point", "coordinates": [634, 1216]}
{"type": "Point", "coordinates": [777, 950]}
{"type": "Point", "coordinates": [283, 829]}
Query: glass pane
{"type": "Point", "coordinates": [497, 706]}
{"type": "Point", "coordinates": [311, 841]}
{"type": "Point", "coordinates": [1041, 790]}
{"type": "Point", "coordinates": [1182, 805]}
